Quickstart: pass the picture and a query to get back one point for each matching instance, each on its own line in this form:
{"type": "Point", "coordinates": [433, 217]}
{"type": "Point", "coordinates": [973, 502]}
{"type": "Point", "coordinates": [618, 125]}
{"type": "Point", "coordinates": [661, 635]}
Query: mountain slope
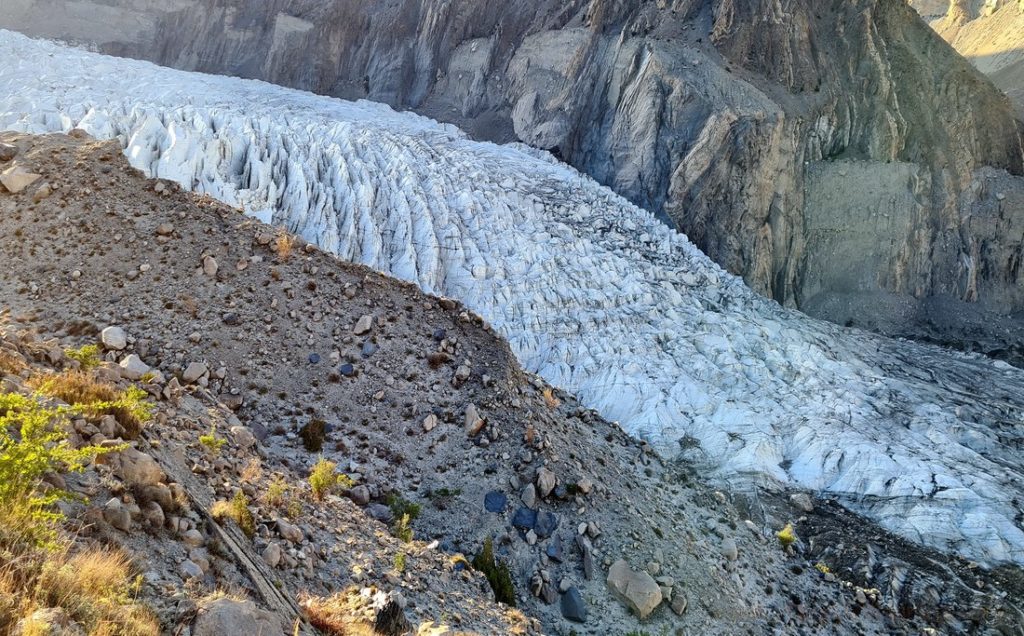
{"type": "Point", "coordinates": [734, 120]}
{"type": "Point", "coordinates": [230, 323]}
{"type": "Point", "coordinates": [592, 293]}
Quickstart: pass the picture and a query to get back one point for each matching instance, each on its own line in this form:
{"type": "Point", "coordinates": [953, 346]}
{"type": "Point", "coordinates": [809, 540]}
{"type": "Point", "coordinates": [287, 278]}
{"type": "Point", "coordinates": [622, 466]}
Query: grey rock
{"type": "Point", "coordinates": [193, 372]}
{"type": "Point", "coordinates": [360, 495]}
{"type": "Point", "coordinates": [117, 515]}
{"type": "Point", "coordinates": [729, 549]}
{"type": "Point", "coordinates": [190, 570]}
{"type": "Point", "coordinates": [133, 368]}
{"type": "Point", "coordinates": [114, 338]}
{"type": "Point", "coordinates": [363, 326]}
{"type": "Point", "coordinates": [289, 531]}
{"type": "Point", "coordinates": [272, 554]}
{"type": "Point", "coordinates": [637, 590]}
{"type": "Point", "coordinates": [546, 481]}
{"type": "Point", "coordinates": [380, 512]}
{"type": "Point", "coordinates": [573, 606]}
{"type": "Point", "coordinates": [225, 615]}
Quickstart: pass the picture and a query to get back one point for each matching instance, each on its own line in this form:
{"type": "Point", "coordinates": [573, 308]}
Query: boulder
{"type": "Point", "coordinates": [225, 615]}
{"type": "Point", "coordinates": [15, 179]}
{"type": "Point", "coordinates": [133, 368]}
{"type": "Point", "coordinates": [637, 590]}
{"type": "Point", "coordinates": [114, 338]}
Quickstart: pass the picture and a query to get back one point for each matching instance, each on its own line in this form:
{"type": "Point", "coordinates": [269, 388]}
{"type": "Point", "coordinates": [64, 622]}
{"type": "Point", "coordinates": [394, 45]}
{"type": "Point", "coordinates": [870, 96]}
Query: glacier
{"type": "Point", "coordinates": [594, 294]}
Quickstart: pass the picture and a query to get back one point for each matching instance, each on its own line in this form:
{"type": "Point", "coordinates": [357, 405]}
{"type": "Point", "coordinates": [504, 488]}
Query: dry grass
{"type": "Point", "coordinates": [347, 613]}
{"type": "Point", "coordinates": [95, 588]}
{"type": "Point", "coordinates": [550, 399]}
{"type": "Point", "coordinates": [252, 472]}
{"type": "Point", "coordinates": [95, 397]}
{"type": "Point", "coordinates": [10, 364]}
{"type": "Point", "coordinates": [284, 245]}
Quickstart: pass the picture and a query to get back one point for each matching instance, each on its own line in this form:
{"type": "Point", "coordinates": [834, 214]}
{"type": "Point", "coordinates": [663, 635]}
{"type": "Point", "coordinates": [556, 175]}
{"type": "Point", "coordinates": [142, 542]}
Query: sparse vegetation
{"type": "Point", "coordinates": [88, 356]}
{"type": "Point", "coordinates": [95, 398]}
{"type": "Point", "coordinates": [346, 613]}
{"type": "Point", "coordinates": [401, 507]}
{"type": "Point", "coordinates": [313, 435]}
{"type": "Point", "coordinates": [402, 529]}
{"type": "Point", "coordinates": [38, 569]}
{"type": "Point", "coordinates": [550, 400]}
{"type": "Point", "coordinates": [212, 442]}
{"type": "Point", "coordinates": [821, 567]}
{"type": "Point", "coordinates": [238, 511]}
{"type": "Point", "coordinates": [400, 562]}
{"type": "Point", "coordinates": [284, 244]}
{"type": "Point", "coordinates": [787, 536]}
{"type": "Point", "coordinates": [276, 493]}
{"type": "Point", "coordinates": [10, 364]}
{"type": "Point", "coordinates": [497, 573]}
{"type": "Point", "coordinates": [323, 479]}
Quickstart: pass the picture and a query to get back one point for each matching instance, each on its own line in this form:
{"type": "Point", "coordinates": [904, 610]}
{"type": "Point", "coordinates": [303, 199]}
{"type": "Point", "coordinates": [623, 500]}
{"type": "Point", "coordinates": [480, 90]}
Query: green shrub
{"type": "Point", "coordinates": [33, 443]}
{"type": "Point", "coordinates": [212, 442]}
{"type": "Point", "coordinates": [323, 479]}
{"type": "Point", "coordinates": [402, 529]}
{"type": "Point", "coordinates": [497, 573]}
{"type": "Point", "coordinates": [94, 398]}
{"type": "Point", "coordinates": [400, 562]}
{"type": "Point", "coordinates": [401, 507]}
{"type": "Point", "coordinates": [787, 536]}
{"type": "Point", "coordinates": [88, 356]}
{"type": "Point", "coordinates": [238, 511]}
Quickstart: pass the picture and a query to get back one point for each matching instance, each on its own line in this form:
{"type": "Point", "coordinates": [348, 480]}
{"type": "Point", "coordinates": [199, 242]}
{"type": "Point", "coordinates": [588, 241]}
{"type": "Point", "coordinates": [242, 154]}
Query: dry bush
{"type": "Point", "coordinates": [94, 397]}
{"type": "Point", "coordinates": [550, 399]}
{"type": "Point", "coordinates": [346, 613]}
{"type": "Point", "coordinates": [284, 244]}
{"type": "Point", "coordinates": [10, 364]}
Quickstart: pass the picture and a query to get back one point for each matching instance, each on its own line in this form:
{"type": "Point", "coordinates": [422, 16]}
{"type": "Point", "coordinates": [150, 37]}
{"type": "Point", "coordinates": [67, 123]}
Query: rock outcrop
{"type": "Point", "coordinates": [837, 155]}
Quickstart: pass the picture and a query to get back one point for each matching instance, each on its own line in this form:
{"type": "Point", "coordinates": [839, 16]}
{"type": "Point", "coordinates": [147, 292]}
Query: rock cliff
{"type": "Point", "coordinates": [837, 155]}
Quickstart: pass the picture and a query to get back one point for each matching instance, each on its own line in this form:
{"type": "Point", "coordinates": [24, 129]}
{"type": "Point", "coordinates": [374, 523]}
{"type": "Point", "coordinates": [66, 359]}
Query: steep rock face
{"type": "Point", "coordinates": [730, 119]}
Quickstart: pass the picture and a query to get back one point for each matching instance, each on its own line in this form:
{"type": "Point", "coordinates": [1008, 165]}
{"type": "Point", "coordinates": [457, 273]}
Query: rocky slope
{"type": "Point", "coordinates": [596, 295]}
{"type": "Point", "coordinates": [786, 139]}
{"type": "Point", "coordinates": [990, 35]}
{"type": "Point", "coordinates": [241, 337]}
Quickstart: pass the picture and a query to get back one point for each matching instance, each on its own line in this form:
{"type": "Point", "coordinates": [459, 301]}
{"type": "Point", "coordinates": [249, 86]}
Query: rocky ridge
{"type": "Point", "coordinates": [233, 331]}
{"type": "Point", "coordinates": [786, 139]}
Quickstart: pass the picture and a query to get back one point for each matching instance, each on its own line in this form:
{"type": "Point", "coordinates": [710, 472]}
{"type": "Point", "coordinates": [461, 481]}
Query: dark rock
{"type": "Point", "coordinates": [231, 319]}
{"type": "Point", "coordinates": [574, 607]}
{"type": "Point", "coordinates": [587, 555]}
{"type": "Point", "coordinates": [440, 334]}
{"type": "Point", "coordinates": [380, 512]}
{"type": "Point", "coordinates": [524, 519]}
{"type": "Point", "coordinates": [495, 501]}
{"type": "Point", "coordinates": [554, 549]}
{"type": "Point", "coordinates": [369, 348]}
{"type": "Point", "coordinates": [347, 370]}
{"type": "Point", "coordinates": [314, 358]}
{"type": "Point", "coordinates": [8, 152]}
{"type": "Point", "coordinates": [546, 524]}
{"type": "Point", "coordinates": [391, 620]}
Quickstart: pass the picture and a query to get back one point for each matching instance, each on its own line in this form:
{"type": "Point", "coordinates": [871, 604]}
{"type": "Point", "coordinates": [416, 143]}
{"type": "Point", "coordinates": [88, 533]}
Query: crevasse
{"type": "Point", "coordinates": [592, 292]}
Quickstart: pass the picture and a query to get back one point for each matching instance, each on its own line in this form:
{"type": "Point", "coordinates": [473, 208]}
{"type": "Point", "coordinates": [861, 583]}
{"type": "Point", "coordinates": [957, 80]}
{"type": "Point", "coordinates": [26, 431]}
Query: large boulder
{"type": "Point", "coordinates": [637, 590]}
{"type": "Point", "coordinates": [224, 616]}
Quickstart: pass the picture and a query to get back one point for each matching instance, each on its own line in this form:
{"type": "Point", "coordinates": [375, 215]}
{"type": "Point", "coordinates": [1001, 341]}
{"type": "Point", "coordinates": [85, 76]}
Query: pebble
{"type": "Point", "coordinates": [495, 501]}
{"type": "Point", "coordinates": [114, 338]}
{"type": "Point", "coordinates": [210, 266]}
{"type": "Point", "coordinates": [363, 326]}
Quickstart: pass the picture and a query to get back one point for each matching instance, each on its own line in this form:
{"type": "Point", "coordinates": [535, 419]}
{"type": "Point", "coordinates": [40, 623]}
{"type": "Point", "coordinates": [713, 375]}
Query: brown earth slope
{"type": "Point", "coordinates": [250, 339]}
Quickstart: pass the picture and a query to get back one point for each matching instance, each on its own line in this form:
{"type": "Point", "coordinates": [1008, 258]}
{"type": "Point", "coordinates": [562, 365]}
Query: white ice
{"type": "Point", "coordinates": [593, 293]}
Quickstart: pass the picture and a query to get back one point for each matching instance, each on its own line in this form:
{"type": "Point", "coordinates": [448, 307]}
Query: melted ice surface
{"type": "Point", "coordinates": [592, 292]}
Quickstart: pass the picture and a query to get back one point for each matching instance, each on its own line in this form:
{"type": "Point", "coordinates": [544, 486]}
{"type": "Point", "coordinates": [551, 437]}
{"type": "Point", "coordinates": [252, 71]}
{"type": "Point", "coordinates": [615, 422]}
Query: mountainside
{"type": "Point", "coordinates": [990, 35]}
{"type": "Point", "coordinates": [591, 292]}
{"type": "Point", "coordinates": [261, 355]}
{"type": "Point", "coordinates": [786, 139]}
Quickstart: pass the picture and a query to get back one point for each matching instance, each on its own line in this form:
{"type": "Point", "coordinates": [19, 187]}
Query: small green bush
{"type": "Point", "coordinates": [323, 479]}
{"type": "Point", "coordinates": [402, 529]}
{"type": "Point", "coordinates": [238, 511]}
{"type": "Point", "coordinates": [212, 442]}
{"type": "Point", "coordinates": [401, 507]}
{"type": "Point", "coordinates": [88, 356]}
{"type": "Point", "coordinates": [497, 573]}
{"type": "Point", "coordinates": [400, 562]}
{"type": "Point", "coordinates": [787, 536]}
{"type": "Point", "coordinates": [33, 443]}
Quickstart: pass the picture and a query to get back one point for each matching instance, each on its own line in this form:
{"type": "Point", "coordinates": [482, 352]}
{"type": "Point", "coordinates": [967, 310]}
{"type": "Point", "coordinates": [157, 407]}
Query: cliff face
{"type": "Point", "coordinates": [837, 155]}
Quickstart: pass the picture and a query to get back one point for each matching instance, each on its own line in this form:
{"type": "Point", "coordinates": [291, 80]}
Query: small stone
{"type": "Point", "coordinates": [242, 437]}
{"type": "Point", "coordinates": [347, 370]}
{"type": "Point", "coordinates": [587, 554]}
{"type": "Point", "coordinates": [210, 266]}
{"type": "Point", "coordinates": [546, 481]}
{"type": "Point", "coordinates": [42, 193]}
{"type": "Point", "coordinates": [314, 358]}
{"type": "Point", "coordinates": [193, 372]}
{"type": "Point", "coordinates": [473, 422]}
{"type": "Point", "coordinates": [272, 554]}
{"type": "Point", "coordinates": [231, 319]}
{"type": "Point", "coordinates": [138, 469]}
{"type": "Point", "coordinates": [546, 524]}
{"type": "Point", "coordinates": [802, 501]}
{"type": "Point", "coordinates": [153, 514]}
{"type": "Point", "coordinates": [360, 495]}
{"type": "Point", "coordinates": [164, 229]}
{"type": "Point", "coordinates": [8, 152]}
{"type": "Point", "coordinates": [429, 422]}
{"type": "Point", "coordinates": [585, 485]}
{"type": "Point", "coordinates": [290, 531]}
{"type": "Point", "coordinates": [461, 375]}
{"type": "Point", "coordinates": [729, 549]}
{"type": "Point", "coordinates": [495, 501]}
{"type": "Point", "coordinates": [554, 550]}
{"type": "Point", "coordinates": [190, 570]}
{"type": "Point", "coordinates": [678, 603]}
{"type": "Point", "coordinates": [363, 325]}
{"type": "Point", "coordinates": [573, 607]}
{"type": "Point", "coordinates": [15, 179]}
{"type": "Point", "coordinates": [531, 537]}
{"type": "Point", "coordinates": [380, 512]}
{"type": "Point", "coordinates": [117, 515]}
{"type": "Point", "coordinates": [193, 538]}
{"type": "Point", "coordinates": [133, 368]}
{"type": "Point", "coordinates": [368, 349]}
{"type": "Point", "coordinates": [524, 519]}
{"type": "Point", "coordinates": [529, 496]}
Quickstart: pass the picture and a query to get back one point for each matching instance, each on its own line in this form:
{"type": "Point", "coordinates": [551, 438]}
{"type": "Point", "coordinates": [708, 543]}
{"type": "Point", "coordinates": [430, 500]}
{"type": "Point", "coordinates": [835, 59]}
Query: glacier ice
{"type": "Point", "coordinates": [592, 293]}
